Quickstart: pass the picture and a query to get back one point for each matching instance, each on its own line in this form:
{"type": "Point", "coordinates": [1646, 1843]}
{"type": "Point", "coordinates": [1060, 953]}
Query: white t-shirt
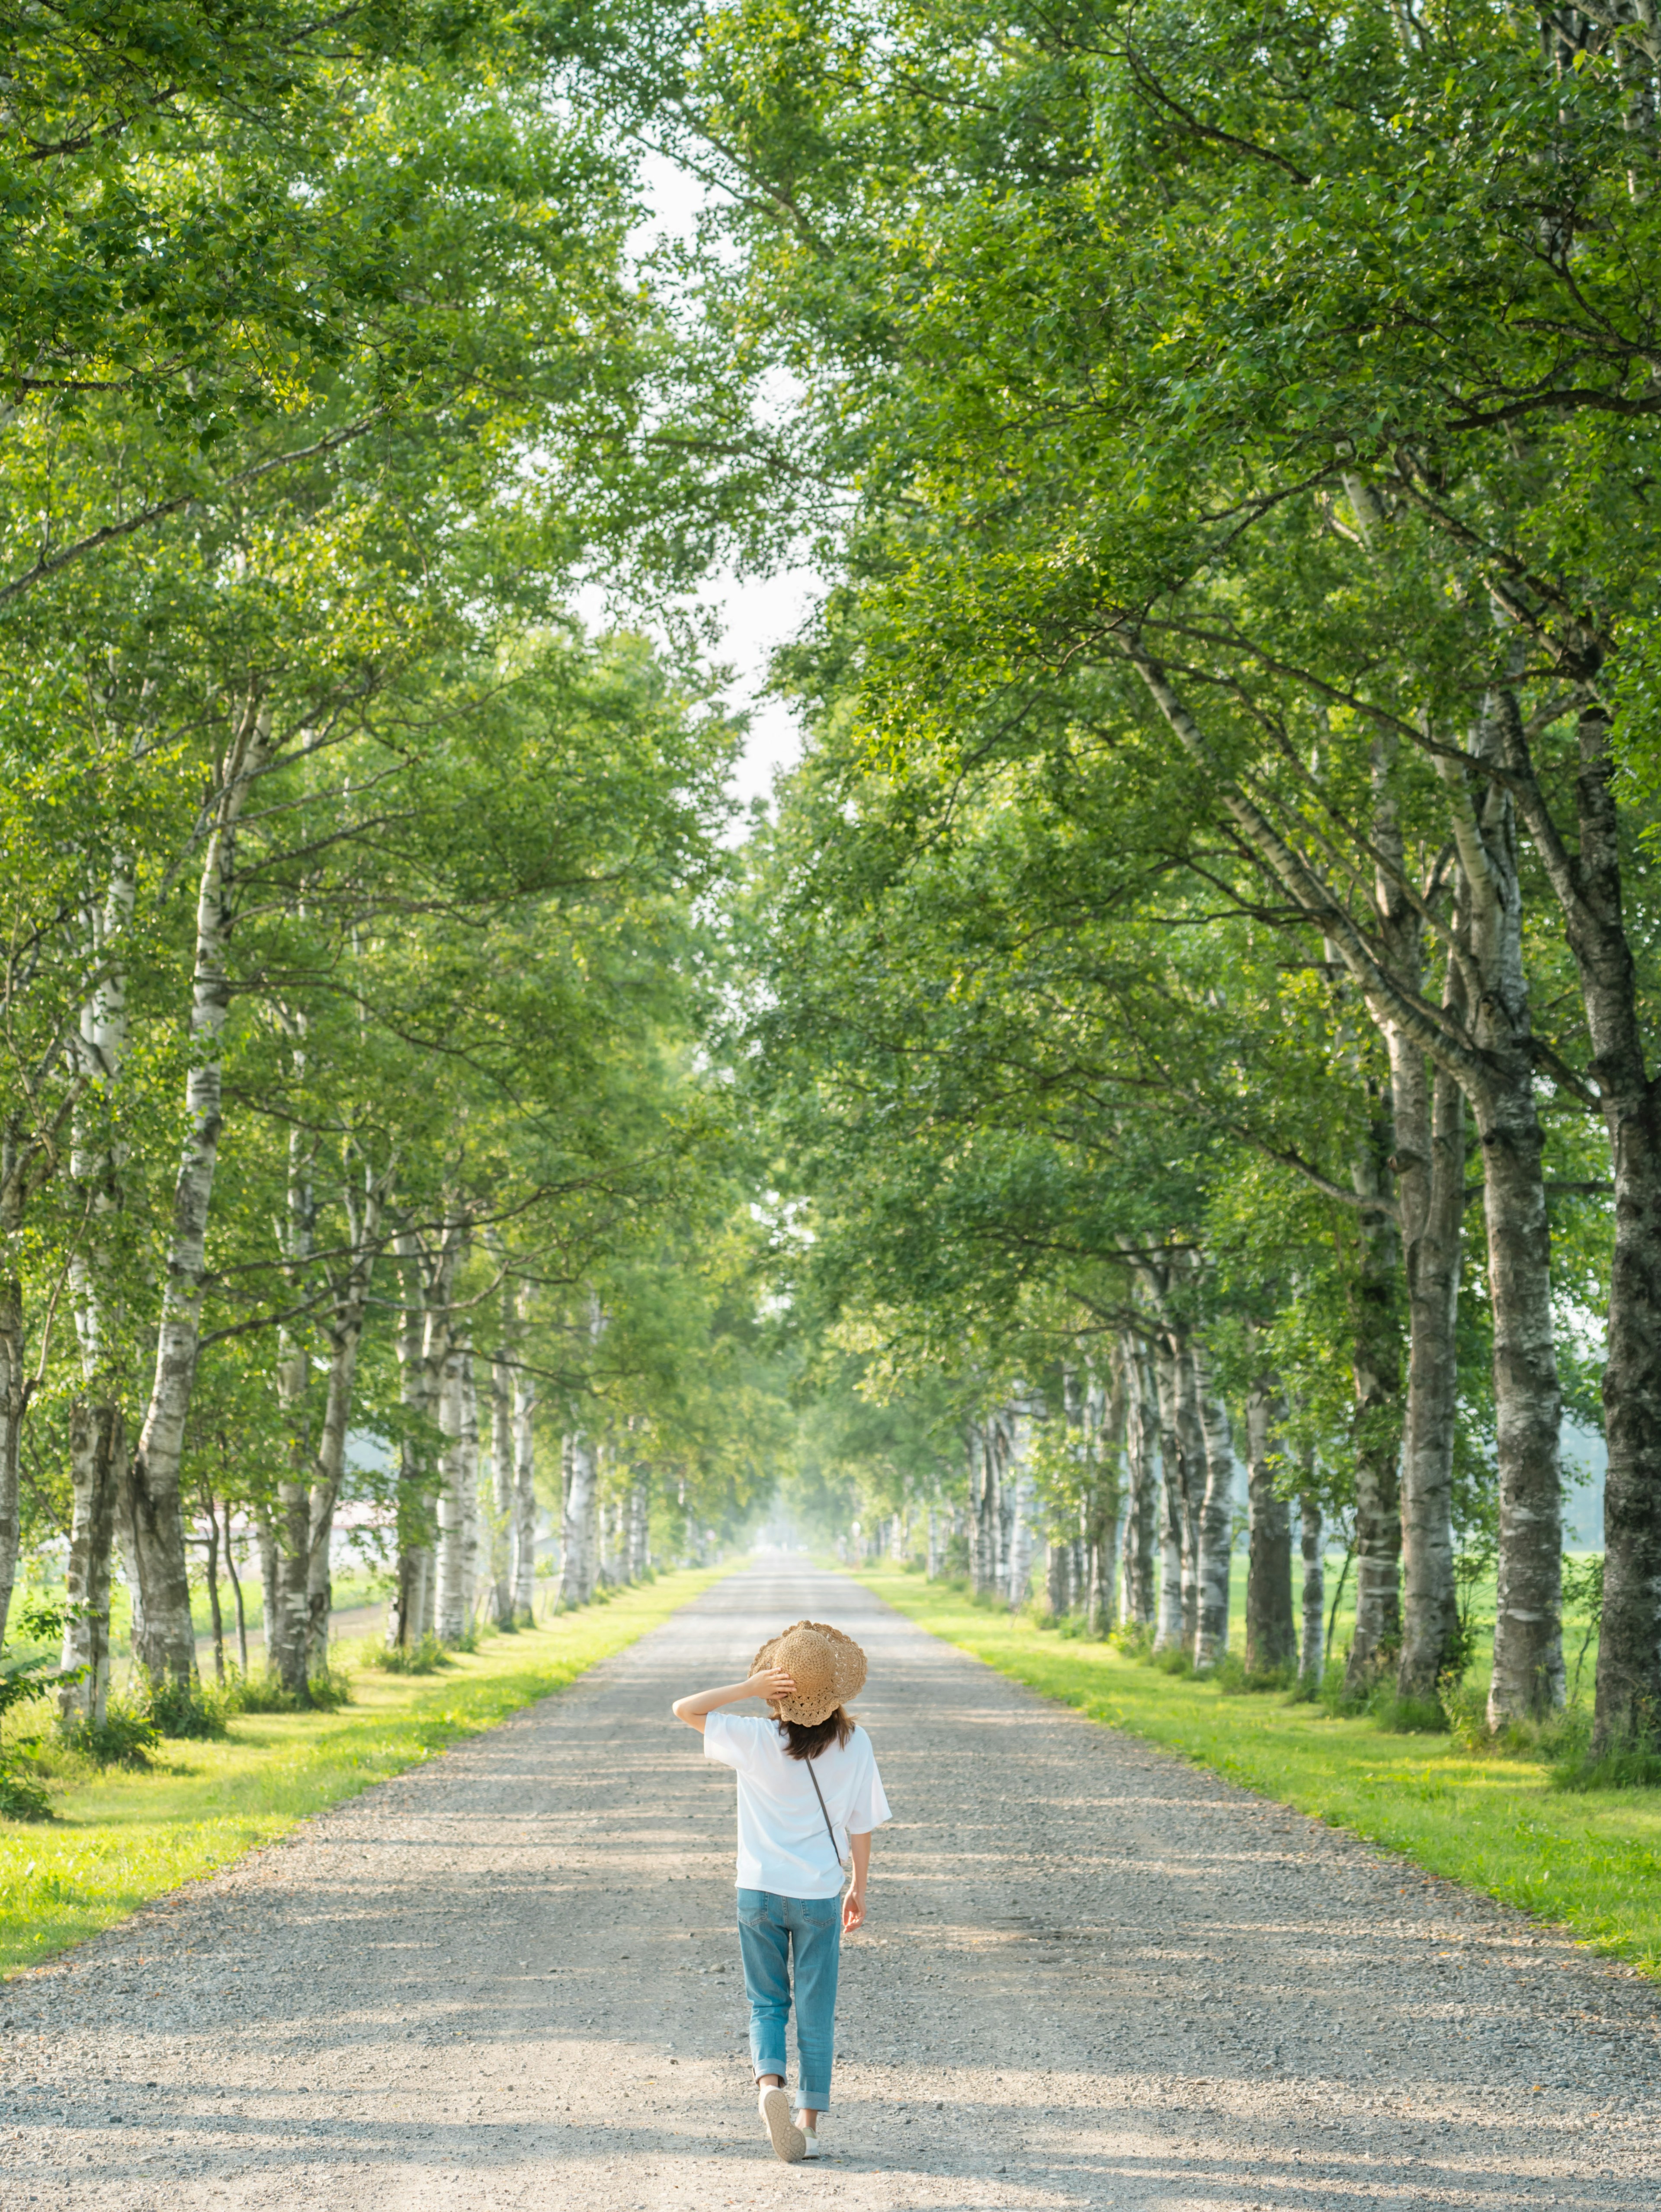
{"type": "Point", "coordinates": [782, 1845]}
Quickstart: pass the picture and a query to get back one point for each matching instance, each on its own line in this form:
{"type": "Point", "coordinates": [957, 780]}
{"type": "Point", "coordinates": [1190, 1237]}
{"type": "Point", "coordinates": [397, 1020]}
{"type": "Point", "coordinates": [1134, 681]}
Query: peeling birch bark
{"type": "Point", "coordinates": [467, 1440]}
{"type": "Point", "coordinates": [167, 1644]}
{"type": "Point", "coordinates": [1311, 1648]}
{"type": "Point", "coordinates": [1215, 1518]}
{"type": "Point", "coordinates": [98, 1452]}
{"type": "Point", "coordinates": [349, 1292]}
{"type": "Point", "coordinates": [525, 1497]}
{"type": "Point", "coordinates": [97, 1423]}
{"type": "Point", "coordinates": [1430, 1144]}
{"type": "Point", "coordinates": [1142, 1469]}
{"type": "Point", "coordinates": [451, 1604]}
{"type": "Point", "coordinates": [502, 1479]}
{"type": "Point", "coordinates": [1271, 1634]}
{"type": "Point", "coordinates": [578, 1527]}
{"type": "Point", "coordinates": [1169, 1632]}
{"type": "Point", "coordinates": [1375, 1365]}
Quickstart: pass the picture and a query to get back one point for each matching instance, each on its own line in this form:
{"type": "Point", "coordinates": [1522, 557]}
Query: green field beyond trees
{"type": "Point", "coordinates": [1590, 1861]}
{"type": "Point", "coordinates": [118, 1839]}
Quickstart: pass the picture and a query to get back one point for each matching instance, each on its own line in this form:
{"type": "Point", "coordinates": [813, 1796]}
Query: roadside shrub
{"type": "Point", "coordinates": [1234, 1680]}
{"type": "Point", "coordinates": [125, 1737]}
{"type": "Point", "coordinates": [1467, 1712]}
{"type": "Point", "coordinates": [424, 1658]}
{"type": "Point", "coordinates": [1627, 1766]}
{"type": "Point", "coordinates": [188, 1711]}
{"type": "Point", "coordinates": [265, 1693]}
{"type": "Point", "coordinates": [1134, 1639]}
{"type": "Point", "coordinates": [1177, 1660]}
{"type": "Point", "coordinates": [21, 1799]}
{"type": "Point", "coordinates": [1409, 1716]}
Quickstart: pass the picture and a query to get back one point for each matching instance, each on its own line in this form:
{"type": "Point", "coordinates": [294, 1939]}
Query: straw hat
{"type": "Point", "coordinates": [827, 1667]}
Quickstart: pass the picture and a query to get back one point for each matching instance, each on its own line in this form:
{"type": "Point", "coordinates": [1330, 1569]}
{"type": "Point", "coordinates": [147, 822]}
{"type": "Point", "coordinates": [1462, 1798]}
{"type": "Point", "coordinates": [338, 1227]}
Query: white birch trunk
{"type": "Point", "coordinates": [578, 1530]}
{"type": "Point", "coordinates": [167, 1644]}
{"type": "Point", "coordinates": [451, 1606]}
{"type": "Point", "coordinates": [525, 1497]}
{"type": "Point", "coordinates": [1215, 1518]}
{"type": "Point", "coordinates": [1018, 1483]}
{"type": "Point", "coordinates": [348, 1314]}
{"type": "Point", "coordinates": [1311, 1652]}
{"type": "Point", "coordinates": [640, 1522]}
{"type": "Point", "coordinates": [501, 1480]}
{"type": "Point", "coordinates": [98, 1443]}
{"type": "Point", "coordinates": [424, 1343]}
{"type": "Point", "coordinates": [1173, 1504]}
{"type": "Point", "coordinates": [473, 1551]}
{"type": "Point", "coordinates": [98, 1454]}
{"type": "Point", "coordinates": [1141, 1473]}
{"type": "Point", "coordinates": [288, 1635]}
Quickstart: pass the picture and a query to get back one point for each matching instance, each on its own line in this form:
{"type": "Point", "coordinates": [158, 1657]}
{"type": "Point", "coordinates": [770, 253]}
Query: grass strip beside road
{"type": "Point", "coordinates": [118, 1839]}
{"type": "Point", "coordinates": [1589, 1863]}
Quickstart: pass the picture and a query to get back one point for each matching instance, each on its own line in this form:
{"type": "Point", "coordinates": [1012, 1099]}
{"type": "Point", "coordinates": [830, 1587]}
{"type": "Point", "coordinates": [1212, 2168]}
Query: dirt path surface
{"type": "Point", "coordinates": [1093, 1978]}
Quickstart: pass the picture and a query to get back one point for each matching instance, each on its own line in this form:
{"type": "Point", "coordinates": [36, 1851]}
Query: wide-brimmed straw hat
{"type": "Point", "coordinates": [826, 1666]}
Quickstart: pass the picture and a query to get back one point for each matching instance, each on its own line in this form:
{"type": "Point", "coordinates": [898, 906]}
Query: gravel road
{"type": "Point", "coordinates": [1094, 1977]}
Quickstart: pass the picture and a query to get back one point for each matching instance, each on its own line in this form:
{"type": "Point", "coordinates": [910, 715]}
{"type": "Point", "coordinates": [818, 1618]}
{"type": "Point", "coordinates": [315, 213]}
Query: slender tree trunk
{"type": "Point", "coordinates": [349, 1311]}
{"type": "Point", "coordinates": [424, 1344]}
{"type": "Point", "coordinates": [452, 1599]}
{"type": "Point", "coordinates": [1191, 1469]}
{"type": "Point", "coordinates": [1019, 1420]}
{"type": "Point", "coordinates": [1428, 1164]}
{"type": "Point", "coordinates": [1213, 1517]}
{"type": "Point", "coordinates": [268, 1580]}
{"type": "Point", "coordinates": [167, 1646]}
{"type": "Point", "coordinates": [1430, 1143]}
{"type": "Point", "coordinates": [1141, 1467]}
{"type": "Point", "coordinates": [287, 1636]}
{"type": "Point", "coordinates": [236, 1595]}
{"type": "Point", "coordinates": [525, 1499]}
{"type": "Point", "coordinates": [98, 1424]}
{"type": "Point", "coordinates": [472, 1552]}
{"type": "Point", "coordinates": [640, 1522]}
{"type": "Point", "coordinates": [501, 1476]}
{"type": "Point", "coordinates": [1271, 1633]}
{"type": "Point", "coordinates": [577, 1529]}
{"type": "Point", "coordinates": [214, 1613]}
{"type": "Point", "coordinates": [1375, 1365]}
{"type": "Point", "coordinates": [98, 1449]}
{"type": "Point", "coordinates": [1312, 1650]}
{"type": "Point", "coordinates": [1173, 1501]}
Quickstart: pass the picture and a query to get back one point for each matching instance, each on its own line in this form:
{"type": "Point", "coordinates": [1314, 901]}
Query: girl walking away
{"type": "Point", "coordinates": [809, 1796]}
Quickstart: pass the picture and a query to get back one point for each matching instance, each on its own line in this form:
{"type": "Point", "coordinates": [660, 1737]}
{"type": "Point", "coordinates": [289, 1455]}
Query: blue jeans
{"type": "Point", "coordinates": [770, 1929]}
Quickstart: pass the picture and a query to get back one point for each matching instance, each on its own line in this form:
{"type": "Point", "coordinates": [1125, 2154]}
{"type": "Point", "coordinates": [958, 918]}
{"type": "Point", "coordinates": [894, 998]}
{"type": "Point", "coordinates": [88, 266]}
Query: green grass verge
{"type": "Point", "coordinates": [118, 1839]}
{"type": "Point", "coordinates": [1591, 1862]}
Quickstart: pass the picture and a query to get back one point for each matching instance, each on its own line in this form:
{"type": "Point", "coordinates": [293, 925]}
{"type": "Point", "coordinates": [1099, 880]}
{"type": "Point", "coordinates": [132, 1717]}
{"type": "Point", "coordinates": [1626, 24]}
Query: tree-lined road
{"type": "Point", "coordinates": [1094, 1977]}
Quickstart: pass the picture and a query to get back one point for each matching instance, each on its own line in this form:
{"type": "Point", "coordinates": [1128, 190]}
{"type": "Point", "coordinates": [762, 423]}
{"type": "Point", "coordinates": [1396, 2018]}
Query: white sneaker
{"type": "Point", "coordinates": [787, 2140]}
{"type": "Point", "coordinates": [811, 2147]}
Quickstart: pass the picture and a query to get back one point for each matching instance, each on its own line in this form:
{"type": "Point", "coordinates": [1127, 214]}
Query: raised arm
{"type": "Point", "coordinates": [693, 1711]}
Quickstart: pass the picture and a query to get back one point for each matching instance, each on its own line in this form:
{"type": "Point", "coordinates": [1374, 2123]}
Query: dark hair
{"type": "Point", "coordinates": [808, 1742]}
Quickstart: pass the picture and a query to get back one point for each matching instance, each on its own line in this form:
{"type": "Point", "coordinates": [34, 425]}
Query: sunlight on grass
{"type": "Point", "coordinates": [120, 1839]}
{"type": "Point", "coordinates": [1591, 1862]}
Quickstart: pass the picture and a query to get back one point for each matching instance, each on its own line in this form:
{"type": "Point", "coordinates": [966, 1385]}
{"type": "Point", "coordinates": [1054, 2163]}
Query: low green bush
{"type": "Point", "coordinates": [125, 1737]}
{"type": "Point", "coordinates": [20, 1797]}
{"type": "Point", "coordinates": [265, 1693]}
{"type": "Point", "coordinates": [425, 1656]}
{"type": "Point", "coordinates": [188, 1711]}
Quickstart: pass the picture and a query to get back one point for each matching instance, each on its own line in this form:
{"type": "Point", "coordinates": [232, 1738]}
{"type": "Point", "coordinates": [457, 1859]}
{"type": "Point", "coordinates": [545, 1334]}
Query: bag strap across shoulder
{"type": "Point", "coordinates": [845, 1864]}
